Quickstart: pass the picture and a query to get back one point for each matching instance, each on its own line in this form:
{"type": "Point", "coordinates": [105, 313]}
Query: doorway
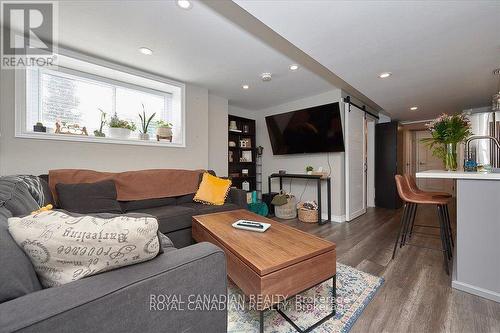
{"type": "Point", "coordinates": [359, 161]}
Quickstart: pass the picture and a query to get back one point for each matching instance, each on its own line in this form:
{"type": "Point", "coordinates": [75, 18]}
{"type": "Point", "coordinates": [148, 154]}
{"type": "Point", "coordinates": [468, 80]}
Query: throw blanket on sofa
{"type": "Point", "coordinates": [134, 185]}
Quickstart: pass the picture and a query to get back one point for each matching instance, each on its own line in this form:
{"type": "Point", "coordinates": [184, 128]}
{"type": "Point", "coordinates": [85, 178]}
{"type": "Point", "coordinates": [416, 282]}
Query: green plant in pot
{"type": "Point", "coordinates": [119, 128]}
{"type": "Point", "coordinates": [309, 170]}
{"type": "Point", "coordinates": [164, 130]}
{"type": "Point", "coordinates": [447, 132]}
{"type": "Point", "coordinates": [145, 122]}
{"type": "Point", "coordinates": [99, 132]}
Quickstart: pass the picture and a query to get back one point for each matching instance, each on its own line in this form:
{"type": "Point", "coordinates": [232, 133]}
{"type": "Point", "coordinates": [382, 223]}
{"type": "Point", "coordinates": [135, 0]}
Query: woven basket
{"type": "Point", "coordinates": [307, 215]}
{"type": "Point", "coordinates": [288, 210]}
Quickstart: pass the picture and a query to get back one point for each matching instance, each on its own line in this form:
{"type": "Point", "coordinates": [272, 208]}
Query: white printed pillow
{"type": "Point", "coordinates": [65, 247]}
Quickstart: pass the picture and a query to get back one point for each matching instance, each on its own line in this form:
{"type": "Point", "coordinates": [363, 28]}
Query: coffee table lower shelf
{"type": "Point", "coordinates": [313, 326]}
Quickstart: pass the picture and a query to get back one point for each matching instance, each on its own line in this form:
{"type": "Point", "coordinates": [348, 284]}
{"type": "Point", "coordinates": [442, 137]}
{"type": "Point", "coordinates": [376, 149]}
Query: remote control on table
{"type": "Point", "coordinates": [251, 225]}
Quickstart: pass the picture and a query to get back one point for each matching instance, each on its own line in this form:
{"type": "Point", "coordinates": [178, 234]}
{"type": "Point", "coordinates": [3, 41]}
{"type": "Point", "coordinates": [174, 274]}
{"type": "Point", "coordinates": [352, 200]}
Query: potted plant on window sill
{"type": "Point", "coordinates": [120, 129]}
{"type": "Point", "coordinates": [164, 130]}
{"type": "Point", "coordinates": [144, 135]}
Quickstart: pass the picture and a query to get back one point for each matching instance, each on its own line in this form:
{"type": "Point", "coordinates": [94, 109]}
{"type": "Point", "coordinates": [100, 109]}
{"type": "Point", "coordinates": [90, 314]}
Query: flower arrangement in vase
{"type": "Point", "coordinates": [447, 132]}
{"type": "Point", "coordinates": [120, 129]}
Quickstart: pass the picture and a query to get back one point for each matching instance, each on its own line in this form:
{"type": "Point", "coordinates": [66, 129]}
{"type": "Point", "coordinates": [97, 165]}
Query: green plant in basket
{"type": "Point", "coordinates": [448, 131]}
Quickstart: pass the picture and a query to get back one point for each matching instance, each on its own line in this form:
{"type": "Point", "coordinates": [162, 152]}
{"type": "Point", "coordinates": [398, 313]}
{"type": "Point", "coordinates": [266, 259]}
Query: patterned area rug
{"type": "Point", "coordinates": [355, 289]}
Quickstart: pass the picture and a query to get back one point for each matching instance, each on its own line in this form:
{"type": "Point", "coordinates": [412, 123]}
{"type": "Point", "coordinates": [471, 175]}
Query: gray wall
{"type": "Point", "coordinates": [38, 156]}
{"type": "Point", "coordinates": [297, 163]}
{"type": "Point", "coordinates": [217, 134]}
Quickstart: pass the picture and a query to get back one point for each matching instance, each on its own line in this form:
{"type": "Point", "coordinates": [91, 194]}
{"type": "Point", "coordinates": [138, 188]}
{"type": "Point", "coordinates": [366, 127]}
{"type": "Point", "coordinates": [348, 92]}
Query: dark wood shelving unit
{"type": "Point", "coordinates": [235, 165]}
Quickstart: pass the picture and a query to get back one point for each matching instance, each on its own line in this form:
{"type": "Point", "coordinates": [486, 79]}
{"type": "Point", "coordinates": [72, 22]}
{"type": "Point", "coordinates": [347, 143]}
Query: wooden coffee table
{"type": "Point", "coordinates": [272, 266]}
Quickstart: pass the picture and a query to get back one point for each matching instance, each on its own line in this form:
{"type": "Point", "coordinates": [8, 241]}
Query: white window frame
{"type": "Point", "coordinates": [157, 85]}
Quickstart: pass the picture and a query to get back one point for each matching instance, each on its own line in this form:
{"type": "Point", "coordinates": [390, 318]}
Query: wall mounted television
{"type": "Point", "coordinates": [313, 130]}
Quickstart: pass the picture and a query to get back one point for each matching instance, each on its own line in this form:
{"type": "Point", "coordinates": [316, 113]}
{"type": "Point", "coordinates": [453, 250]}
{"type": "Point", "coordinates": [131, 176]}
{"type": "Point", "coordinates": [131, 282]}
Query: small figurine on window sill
{"type": "Point", "coordinates": [71, 129]}
{"type": "Point", "coordinates": [39, 128]}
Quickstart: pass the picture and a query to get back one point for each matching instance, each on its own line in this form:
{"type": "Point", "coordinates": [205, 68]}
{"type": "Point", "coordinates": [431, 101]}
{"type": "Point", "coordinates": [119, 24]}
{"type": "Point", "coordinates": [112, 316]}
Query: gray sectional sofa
{"type": "Point", "coordinates": [122, 300]}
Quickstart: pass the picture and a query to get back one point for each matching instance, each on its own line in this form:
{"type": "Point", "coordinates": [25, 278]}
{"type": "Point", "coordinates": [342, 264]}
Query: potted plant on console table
{"type": "Point", "coordinates": [448, 131]}
{"type": "Point", "coordinates": [120, 129]}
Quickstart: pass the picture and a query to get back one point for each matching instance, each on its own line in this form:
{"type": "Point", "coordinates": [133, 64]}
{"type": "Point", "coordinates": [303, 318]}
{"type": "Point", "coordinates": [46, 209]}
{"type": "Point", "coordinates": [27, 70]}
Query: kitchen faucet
{"type": "Point", "coordinates": [468, 166]}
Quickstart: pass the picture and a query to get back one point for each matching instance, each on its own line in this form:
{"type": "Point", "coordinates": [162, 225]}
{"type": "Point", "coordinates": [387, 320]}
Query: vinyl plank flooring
{"type": "Point", "coordinates": [417, 294]}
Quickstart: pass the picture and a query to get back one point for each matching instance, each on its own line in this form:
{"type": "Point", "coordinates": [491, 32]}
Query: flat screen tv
{"type": "Point", "coordinates": [313, 130]}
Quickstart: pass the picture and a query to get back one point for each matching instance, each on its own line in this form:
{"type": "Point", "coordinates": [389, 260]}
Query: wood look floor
{"type": "Point", "coordinates": [417, 294]}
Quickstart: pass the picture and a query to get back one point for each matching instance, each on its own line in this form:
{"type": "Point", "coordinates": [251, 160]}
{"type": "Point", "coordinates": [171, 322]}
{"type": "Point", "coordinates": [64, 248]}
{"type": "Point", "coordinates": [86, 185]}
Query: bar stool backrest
{"type": "Point", "coordinates": [412, 183]}
{"type": "Point", "coordinates": [403, 188]}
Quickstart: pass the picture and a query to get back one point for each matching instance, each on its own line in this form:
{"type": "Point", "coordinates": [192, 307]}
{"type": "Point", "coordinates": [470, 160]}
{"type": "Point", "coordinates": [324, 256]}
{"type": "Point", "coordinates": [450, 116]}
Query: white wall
{"type": "Point", "coordinates": [217, 134]}
{"type": "Point", "coordinates": [38, 156]}
{"type": "Point", "coordinates": [297, 163]}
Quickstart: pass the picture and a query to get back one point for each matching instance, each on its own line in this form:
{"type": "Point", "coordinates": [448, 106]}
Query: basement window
{"type": "Point", "coordinates": [85, 101]}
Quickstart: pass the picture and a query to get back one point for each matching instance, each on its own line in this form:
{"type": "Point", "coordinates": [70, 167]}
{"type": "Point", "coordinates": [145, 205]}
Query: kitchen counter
{"type": "Point", "coordinates": [476, 261]}
{"type": "Point", "coordinates": [458, 175]}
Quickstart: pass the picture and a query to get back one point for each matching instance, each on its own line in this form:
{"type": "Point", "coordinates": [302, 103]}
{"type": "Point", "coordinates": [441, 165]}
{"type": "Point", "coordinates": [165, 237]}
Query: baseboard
{"type": "Point", "coordinates": [485, 293]}
{"type": "Point", "coordinates": [357, 214]}
{"type": "Point", "coordinates": [335, 218]}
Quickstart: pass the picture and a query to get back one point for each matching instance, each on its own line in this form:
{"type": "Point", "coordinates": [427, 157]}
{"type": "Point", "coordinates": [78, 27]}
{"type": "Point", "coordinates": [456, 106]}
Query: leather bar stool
{"type": "Point", "coordinates": [412, 183]}
{"type": "Point", "coordinates": [412, 200]}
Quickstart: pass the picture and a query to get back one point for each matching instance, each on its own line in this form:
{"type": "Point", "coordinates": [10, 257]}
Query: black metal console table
{"type": "Point", "coordinates": [318, 179]}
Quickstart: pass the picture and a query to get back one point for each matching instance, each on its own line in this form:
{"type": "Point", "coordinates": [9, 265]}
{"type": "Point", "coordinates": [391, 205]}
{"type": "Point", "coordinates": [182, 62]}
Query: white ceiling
{"type": "Point", "coordinates": [196, 46]}
{"type": "Point", "coordinates": [441, 53]}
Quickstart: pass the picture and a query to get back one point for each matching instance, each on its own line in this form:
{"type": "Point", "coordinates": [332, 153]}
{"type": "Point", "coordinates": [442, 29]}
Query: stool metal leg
{"type": "Point", "coordinates": [447, 212]}
{"type": "Point", "coordinates": [407, 223]}
{"type": "Point", "coordinates": [401, 227]}
{"type": "Point", "coordinates": [444, 245]}
{"type": "Point", "coordinates": [446, 232]}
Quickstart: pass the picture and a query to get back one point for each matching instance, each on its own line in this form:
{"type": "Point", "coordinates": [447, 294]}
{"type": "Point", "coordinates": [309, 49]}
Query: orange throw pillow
{"type": "Point", "coordinates": [213, 190]}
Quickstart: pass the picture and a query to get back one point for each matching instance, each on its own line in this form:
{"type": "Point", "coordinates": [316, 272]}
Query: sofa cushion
{"type": "Point", "coordinates": [213, 190]}
{"type": "Point", "coordinates": [185, 199]}
{"type": "Point", "coordinates": [209, 209]}
{"type": "Point", "coordinates": [88, 198]}
{"type": "Point", "coordinates": [66, 247]}
{"type": "Point", "coordinates": [171, 218]}
{"type": "Point", "coordinates": [17, 195]}
{"type": "Point", "coordinates": [128, 206]}
{"type": "Point", "coordinates": [17, 275]}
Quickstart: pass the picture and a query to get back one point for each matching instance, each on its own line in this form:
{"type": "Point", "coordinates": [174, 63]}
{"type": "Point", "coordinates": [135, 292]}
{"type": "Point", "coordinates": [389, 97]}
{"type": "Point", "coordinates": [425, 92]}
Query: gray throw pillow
{"type": "Point", "coordinates": [17, 196]}
{"type": "Point", "coordinates": [88, 198]}
{"type": "Point", "coordinates": [17, 275]}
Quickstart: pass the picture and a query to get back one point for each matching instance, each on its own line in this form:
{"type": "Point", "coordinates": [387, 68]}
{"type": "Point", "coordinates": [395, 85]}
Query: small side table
{"type": "Point", "coordinates": [318, 179]}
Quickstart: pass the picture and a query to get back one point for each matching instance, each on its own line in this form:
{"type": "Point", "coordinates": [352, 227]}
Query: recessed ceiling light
{"type": "Point", "coordinates": [145, 50]}
{"type": "Point", "coordinates": [266, 76]}
{"type": "Point", "coordinates": [414, 108]}
{"type": "Point", "coordinates": [293, 67]}
{"type": "Point", "coordinates": [384, 75]}
{"type": "Point", "coordinates": [245, 86]}
{"type": "Point", "coordinates": [184, 4]}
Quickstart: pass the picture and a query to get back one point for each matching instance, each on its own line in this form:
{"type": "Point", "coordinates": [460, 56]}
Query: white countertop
{"type": "Point", "coordinates": [458, 175]}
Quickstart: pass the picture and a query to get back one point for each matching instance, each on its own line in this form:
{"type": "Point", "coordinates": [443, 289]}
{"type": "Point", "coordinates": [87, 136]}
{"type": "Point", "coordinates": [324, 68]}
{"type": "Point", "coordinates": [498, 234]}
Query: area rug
{"type": "Point", "coordinates": [355, 289]}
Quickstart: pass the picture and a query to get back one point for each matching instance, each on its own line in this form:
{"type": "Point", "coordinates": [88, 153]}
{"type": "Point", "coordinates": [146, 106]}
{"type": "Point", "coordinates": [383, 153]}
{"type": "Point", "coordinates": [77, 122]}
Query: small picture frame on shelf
{"type": "Point", "coordinates": [246, 156]}
{"type": "Point", "coordinates": [246, 143]}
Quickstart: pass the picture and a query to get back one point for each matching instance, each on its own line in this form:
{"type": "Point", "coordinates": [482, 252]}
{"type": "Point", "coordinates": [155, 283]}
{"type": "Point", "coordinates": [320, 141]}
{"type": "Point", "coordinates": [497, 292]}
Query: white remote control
{"type": "Point", "coordinates": [251, 225]}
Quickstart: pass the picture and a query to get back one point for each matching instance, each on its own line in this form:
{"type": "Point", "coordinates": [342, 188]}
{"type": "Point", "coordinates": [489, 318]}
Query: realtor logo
{"type": "Point", "coordinates": [28, 33]}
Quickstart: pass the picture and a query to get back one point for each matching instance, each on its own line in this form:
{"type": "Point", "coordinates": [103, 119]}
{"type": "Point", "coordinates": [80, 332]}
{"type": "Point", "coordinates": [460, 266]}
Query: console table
{"type": "Point", "coordinates": [318, 179]}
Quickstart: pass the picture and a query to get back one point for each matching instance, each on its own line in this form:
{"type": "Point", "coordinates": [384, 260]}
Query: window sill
{"type": "Point", "coordinates": [93, 139]}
